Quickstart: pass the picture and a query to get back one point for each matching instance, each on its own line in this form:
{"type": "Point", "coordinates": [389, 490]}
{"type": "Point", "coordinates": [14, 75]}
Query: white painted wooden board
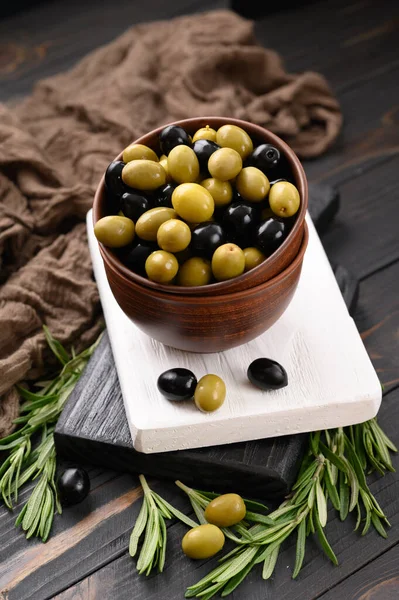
{"type": "Point", "coordinates": [332, 382]}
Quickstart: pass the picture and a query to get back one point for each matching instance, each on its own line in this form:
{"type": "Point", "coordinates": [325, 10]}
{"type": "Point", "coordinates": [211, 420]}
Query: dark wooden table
{"type": "Point", "coordinates": [355, 45]}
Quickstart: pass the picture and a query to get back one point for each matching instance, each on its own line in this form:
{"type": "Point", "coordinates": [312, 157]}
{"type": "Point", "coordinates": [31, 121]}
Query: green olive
{"type": "Point", "coordinates": [203, 541]}
{"type": "Point", "coordinates": [195, 271]}
{"type": "Point", "coordinates": [228, 261]}
{"type": "Point", "coordinates": [138, 152]}
{"type": "Point", "coordinates": [183, 165]}
{"type": "Point", "coordinates": [253, 258]}
{"type": "Point", "coordinates": [161, 266]}
{"type": "Point", "coordinates": [221, 191]}
{"type": "Point", "coordinates": [205, 133]}
{"type": "Point", "coordinates": [173, 235]}
{"type": "Point", "coordinates": [114, 231]}
{"type": "Point", "coordinates": [210, 393]}
{"type": "Point", "coordinates": [192, 202]}
{"type": "Point", "coordinates": [163, 160]}
{"type": "Point", "coordinates": [231, 136]}
{"type": "Point", "coordinates": [143, 174]}
{"type": "Point", "coordinates": [226, 510]}
{"type": "Point", "coordinates": [284, 199]}
{"type": "Point", "coordinates": [224, 164]}
{"type": "Point", "coordinates": [252, 184]}
{"type": "Point", "coordinates": [148, 223]}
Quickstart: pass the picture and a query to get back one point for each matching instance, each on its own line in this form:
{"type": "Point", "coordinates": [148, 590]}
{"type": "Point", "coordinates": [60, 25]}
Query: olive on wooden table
{"type": "Point", "coordinates": [192, 202]}
{"type": "Point", "coordinates": [148, 224]}
{"type": "Point", "coordinates": [172, 136]}
{"type": "Point", "coordinates": [183, 165]}
{"type": "Point", "coordinates": [206, 237]}
{"type": "Point", "coordinates": [239, 221]}
{"type": "Point", "coordinates": [163, 160]}
{"type": "Point", "coordinates": [265, 157]}
{"type": "Point", "coordinates": [73, 486]}
{"type": "Point", "coordinates": [144, 174]}
{"type": "Point", "coordinates": [135, 256]}
{"type": "Point", "coordinates": [161, 266]}
{"type": "Point", "coordinates": [194, 271]}
{"type": "Point", "coordinates": [253, 258]}
{"type": "Point", "coordinates": [226, 510]}
{"type": "Point", "coordinates": [177, 384]}
{"type": "Point", "coordinates": [225, 164]}
{"type": "Point", "coordinates": [267, 374]}
{"type": "Point", "coordinates": [270, 234]}
{"type": "Point", "coordinates": [221, 191]}
{"type": "Point", "coordinates": [163, 195]}
{"type": "Point", "coordinates": [252, 184]}
{"type": "Point", "coordinates": [113, 178]}
{"type": "Point", "coordinates": [210, 393]}
{"type": "Point", "coordinates": [138, 151]}
{"type": "Point", "coordinates": [134, 204]}
{"type": "Point", "coordinates": [114, 231]}
{"type": "Point", "coordinates": [228, 261]}
{"type": "Point", "coordinates": [173, 235]}
{"type": "Point", "coordinates": [205, 133]}
{"type": "Point", "coordinates": [231, 136]}
{"type": "Point", "coordinates": [284, 199]}
{"type": "Point", "coordinates": [203, 541]}
{"type": "Point", "coordinates": [203, 150]}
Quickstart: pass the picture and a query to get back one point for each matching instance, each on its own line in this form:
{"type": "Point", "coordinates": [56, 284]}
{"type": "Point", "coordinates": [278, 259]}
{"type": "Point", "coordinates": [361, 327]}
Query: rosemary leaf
{"type": "Point", "coordinates": [323, 541]}
{"type": "Point", "coordinates": [300, 547]}
{"type": "Point", "coordinates": [138, 528]}
{"type": "Point", "coordinates": [321, 504]}
{"type": "Point", "coordinates": [269, 563]}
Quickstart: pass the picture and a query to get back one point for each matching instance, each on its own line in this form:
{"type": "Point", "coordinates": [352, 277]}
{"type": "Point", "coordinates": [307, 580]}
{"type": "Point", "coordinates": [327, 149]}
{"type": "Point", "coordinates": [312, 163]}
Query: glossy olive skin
{"type": "Point", "coordinates": [231, 136]}
{"type": "Point", "coordinates": [113, 178]}
{"type": "Point", "coordinates": [265, 157]}
{"type": "Point", "coordinates": [145, 175]}
{"type": "Point", "coordinates": [134, 204]}
{"type": "Point", "coordinates": [203, 541]}
{"type": "Point", "coordinates": [177, 384]}
{"type": "Point", "coordinates": [252, 184]}
{"type": "Point", "coordinates": [194, 271]}
{"type": "Point", "coordinates": [73, 486]}
{"type": "Point", "coordinates": [172, 136]}
{"type": "Point", "coordinates": [138, 151]}
{"type": "Point", "coordinates": [270, 234]}
{"type": "Point", "coordinates": [226, 510]}
{"type": "Point", "coordinates": [239, 221]}
{"type": "Point", "coordinates": [267, 374]}
{"type": "Point", "coordinates": [225, 164]}
{"type": "Point", "coordinates": [148, 224]}
{"type": "Point", "coordinates": [161, 266]}
{"type": "Point", "coordinates": [203, 150]}
{"type": "Point", "coordinates": [210, 393]}
{"type": "Point", "coordinates": [163, 196]}
{"type": "Point", "coordinates": [284, 199]}
{"type": "Point", "coordinates": [253, 258]}
{"type": "Point", "coordinates": [193, 203]}
{"type": "Point", "coordinates": [174, 235]}
{"type": "Point", "coordinates": [114, 231]}
{"type": "Point", "coordinates": [163, 161]}
{"type": "Point", "coordinates": [206, 237]}
{"type": "Point", "coordinates": [221, 191]}
{"type": "Point", "coordinates": [183, 165]}
{"type": "Point", "coordinates": [134, 256]}
{"type": "Point", "coordinates": [205, 133]}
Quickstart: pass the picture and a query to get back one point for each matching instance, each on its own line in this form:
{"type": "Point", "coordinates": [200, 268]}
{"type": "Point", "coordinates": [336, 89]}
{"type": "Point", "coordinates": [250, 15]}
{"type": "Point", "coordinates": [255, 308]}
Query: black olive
{"type": "Point", "coordinates": [267, 374]}
{"type": "Point", "coordinates": [265, 157]}
{"type": "Point", "coordinates": [73, 486]}
{"type": "Point", "coordinates": [113, 178]}
{"type": "Point", "coordinates": [177, 384]}
{"type": "Point", "coordinates": [134, 257]}
{"type": "Point", "coordinates": [270, 234]}
{"type": "Point", "coordinates": [239, 221]}
{"type": "Point", "coordinates": [206, 237]}
{"type": "Point", "coordinates": [203, 150]}
{"type": "Point", "coordinates": [172, 136]}
{"type": "Point", "coordinates": [163, 196]}
{"type": "Point", "coordinates": [134, 204]}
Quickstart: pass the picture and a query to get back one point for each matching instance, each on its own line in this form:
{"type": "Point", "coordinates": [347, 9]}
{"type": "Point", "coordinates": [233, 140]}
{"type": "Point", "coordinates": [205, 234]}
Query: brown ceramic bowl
{"type": "Point", "coordinates": [211, 323]}
{"type": "Point", "coordinates": [270, 267]}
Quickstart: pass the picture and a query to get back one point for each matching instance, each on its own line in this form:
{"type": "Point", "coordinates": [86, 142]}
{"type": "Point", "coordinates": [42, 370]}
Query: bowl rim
{"type": "Point", "coordinates": [260, 132]}
{"type": "Point", "coordinates": [224, 298]}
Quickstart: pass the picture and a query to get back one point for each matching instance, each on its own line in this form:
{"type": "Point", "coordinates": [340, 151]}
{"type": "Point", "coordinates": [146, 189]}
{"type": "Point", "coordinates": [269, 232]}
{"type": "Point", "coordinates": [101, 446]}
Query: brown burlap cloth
{"type": "Point", "coordinates": [55, 145]}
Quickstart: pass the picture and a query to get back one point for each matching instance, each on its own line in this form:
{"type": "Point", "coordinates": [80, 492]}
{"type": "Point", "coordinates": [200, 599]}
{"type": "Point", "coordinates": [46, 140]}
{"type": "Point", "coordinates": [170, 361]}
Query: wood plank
{"type": "Point", "coordinates": [376, 581]}
{"type": "Point", "coordinates": [119, 579]}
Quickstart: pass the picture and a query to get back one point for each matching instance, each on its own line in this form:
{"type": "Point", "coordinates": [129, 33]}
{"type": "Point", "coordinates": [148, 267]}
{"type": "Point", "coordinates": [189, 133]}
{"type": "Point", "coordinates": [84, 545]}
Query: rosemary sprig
{"type": "Point", "coordinates": [151, 523]}
{"type": "Point", "coordinates": [30, 449]}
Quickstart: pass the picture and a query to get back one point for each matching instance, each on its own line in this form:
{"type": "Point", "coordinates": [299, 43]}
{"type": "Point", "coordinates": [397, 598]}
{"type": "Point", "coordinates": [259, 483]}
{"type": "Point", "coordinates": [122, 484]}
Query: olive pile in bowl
{"type": "Point", "coordinates": [199, 209]}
